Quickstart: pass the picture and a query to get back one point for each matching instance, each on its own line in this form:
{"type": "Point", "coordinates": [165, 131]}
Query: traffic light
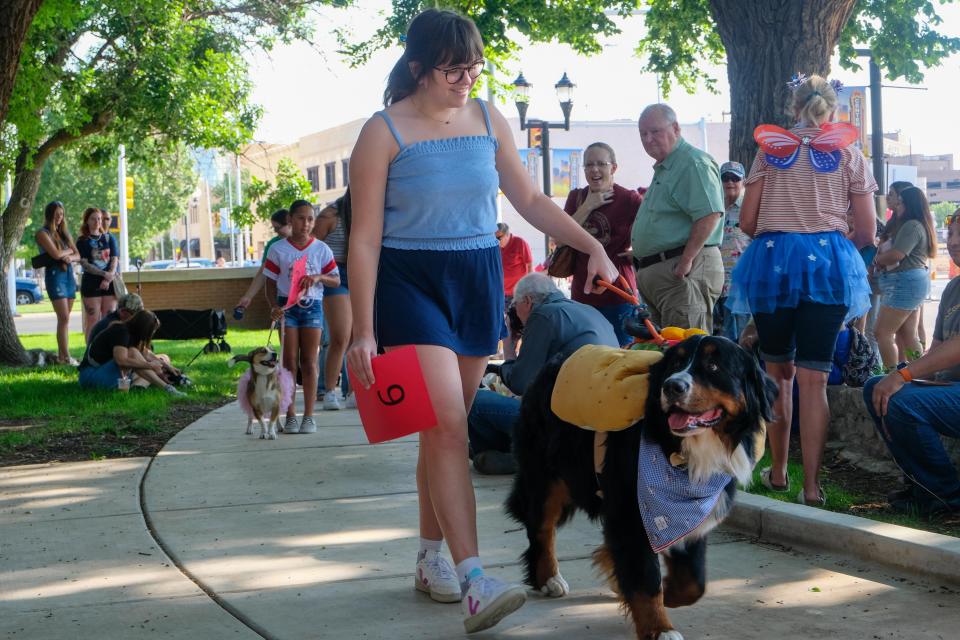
{"type": "Point", "coordinates": [534, 137]}
{"type": "Point", "coordinates": [129, 192]}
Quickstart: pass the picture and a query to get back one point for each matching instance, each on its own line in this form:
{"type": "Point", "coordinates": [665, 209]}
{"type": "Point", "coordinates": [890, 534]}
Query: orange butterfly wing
{"type": "Point", "coordinates": [775, 140]}
{"type": "Point", "coordinates": [835, 136]}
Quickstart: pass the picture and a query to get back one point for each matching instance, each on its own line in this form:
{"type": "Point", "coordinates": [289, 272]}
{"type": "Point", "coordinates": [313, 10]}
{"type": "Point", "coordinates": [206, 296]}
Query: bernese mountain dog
{"type": "Point", "coordinates": [665, 481]}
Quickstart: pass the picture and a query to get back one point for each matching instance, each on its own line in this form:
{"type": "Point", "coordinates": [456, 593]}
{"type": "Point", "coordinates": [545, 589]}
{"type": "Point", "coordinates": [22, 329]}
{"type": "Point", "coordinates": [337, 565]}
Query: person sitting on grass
{"type": "Point", "coordinates": [117, 352]}
{"type": "Point", "coordinates": [552, 324]}
{"type": "Point", "coordinates": [911, 413]}
{"type": "Point", "coordinates": [128, 305]}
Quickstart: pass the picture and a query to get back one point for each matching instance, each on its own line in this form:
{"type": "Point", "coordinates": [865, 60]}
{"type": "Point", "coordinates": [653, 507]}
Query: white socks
{"type": "Point", "coordinates": [467, 571]}
{"type": "Point", "coordinates": [428, 545]}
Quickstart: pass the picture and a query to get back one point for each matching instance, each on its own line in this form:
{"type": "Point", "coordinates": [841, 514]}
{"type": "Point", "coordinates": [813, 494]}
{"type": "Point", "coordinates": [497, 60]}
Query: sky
{"type": "Point", "coordinates": [304, 88]}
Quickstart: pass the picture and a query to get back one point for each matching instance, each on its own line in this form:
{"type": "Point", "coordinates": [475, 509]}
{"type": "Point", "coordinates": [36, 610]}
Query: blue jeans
{"type": "Point", "coordinates": [916, 418]}
{"type": "Point", "coordinates": [615, 314]}
{"type": "Point", "coordinates": [491, 421]}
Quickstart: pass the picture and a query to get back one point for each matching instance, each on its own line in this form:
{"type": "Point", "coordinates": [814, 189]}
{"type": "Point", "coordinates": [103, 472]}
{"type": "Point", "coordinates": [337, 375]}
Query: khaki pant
{"type": "Point", "coordinates": [686, 302]}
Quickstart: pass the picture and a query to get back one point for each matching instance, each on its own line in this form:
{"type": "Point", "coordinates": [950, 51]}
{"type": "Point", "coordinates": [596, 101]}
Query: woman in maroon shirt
{"type": "Point", "coordinates": [606, 210]}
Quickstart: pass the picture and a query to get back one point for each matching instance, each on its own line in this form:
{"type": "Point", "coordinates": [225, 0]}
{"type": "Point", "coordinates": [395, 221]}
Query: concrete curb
{"type": "Point", "coordinates": [775, 521]}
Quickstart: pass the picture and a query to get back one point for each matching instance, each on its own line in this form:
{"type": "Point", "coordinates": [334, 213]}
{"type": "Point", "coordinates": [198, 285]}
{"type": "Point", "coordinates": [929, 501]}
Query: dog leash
{"type": "Point", "coordinates": [627, 294]}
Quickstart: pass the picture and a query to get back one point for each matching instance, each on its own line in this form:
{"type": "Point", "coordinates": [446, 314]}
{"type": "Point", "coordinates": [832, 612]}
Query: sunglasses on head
{"type": "Point", "coordinates": [730, 177]}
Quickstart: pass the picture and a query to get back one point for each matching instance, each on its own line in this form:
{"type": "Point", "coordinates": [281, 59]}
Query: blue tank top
{"type": "Point", "coordinates": [442, 194]}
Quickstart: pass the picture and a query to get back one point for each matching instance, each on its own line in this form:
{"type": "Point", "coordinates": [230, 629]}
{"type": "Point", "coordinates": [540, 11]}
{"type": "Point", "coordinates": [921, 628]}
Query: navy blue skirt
{"type": "Point", "coordinates": [452, 299]}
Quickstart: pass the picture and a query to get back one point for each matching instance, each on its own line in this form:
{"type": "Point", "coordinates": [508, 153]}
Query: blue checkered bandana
{"type": "Point", "coordinates": [670, 504]}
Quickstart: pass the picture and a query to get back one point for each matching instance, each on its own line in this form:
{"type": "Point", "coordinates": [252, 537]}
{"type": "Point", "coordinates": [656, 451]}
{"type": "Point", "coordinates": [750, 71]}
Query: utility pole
{"type": "Point", "coordinates": [122, 191]}
{"type": "Point", "coordinates": [876, 119]}
{"type": "Point", "coordinates": [243, 237]}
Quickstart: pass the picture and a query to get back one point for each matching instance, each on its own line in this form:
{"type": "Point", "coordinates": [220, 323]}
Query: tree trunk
{"type": "Point", "coordinates": [15, 19]}
{"type": "Point", "coordinates": [15, 217]}
{"type": "Point", "coordinates": [767, 43]}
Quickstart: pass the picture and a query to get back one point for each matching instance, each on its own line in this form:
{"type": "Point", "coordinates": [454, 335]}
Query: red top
{"type": "Point", "coordinates": [611, 225]}
{"type": "Point", "coordinates": [516, 257]}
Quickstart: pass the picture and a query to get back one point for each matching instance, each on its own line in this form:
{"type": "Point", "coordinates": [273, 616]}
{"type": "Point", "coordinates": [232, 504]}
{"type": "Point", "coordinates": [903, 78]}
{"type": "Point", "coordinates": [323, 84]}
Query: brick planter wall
{"type": "Point", "coordinates": [202, 289]}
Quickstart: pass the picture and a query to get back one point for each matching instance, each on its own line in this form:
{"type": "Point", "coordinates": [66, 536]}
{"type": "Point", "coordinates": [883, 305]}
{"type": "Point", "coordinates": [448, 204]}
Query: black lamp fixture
{"type": "Point", "coordinates": [522, 97]}
{"type": "Point", "coordinates": [564, 89]}
{"type": "Point", "coordinates": [565, 95]}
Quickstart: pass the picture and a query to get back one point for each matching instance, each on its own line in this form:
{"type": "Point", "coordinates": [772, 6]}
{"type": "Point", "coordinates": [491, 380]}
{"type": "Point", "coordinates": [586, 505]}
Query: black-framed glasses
{"type": "Point", "coordinates": [730, 177]}
{"type": "Point", "coordinates": [950, 219]}
{"type": "Point", "coordinates": [454, 75]}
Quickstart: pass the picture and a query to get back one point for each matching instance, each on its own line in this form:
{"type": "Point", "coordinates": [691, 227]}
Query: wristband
{"type": "Point", "coordinates": [905, 374]}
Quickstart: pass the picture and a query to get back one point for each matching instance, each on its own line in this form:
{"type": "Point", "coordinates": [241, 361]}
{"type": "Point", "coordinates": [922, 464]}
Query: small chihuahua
{"type": "Point", "coordinates": [263, 391]}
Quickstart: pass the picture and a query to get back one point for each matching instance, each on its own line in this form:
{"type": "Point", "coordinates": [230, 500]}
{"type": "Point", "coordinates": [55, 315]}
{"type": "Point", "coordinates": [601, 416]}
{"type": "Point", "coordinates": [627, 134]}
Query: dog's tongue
{"type": "Point", "coordinates": [680, 420]}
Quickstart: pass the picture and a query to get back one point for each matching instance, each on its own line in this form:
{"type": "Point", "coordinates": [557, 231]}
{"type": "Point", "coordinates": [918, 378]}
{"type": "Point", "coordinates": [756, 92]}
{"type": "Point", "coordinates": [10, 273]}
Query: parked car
{"type": "Point", "coordinates": [28, 291]}
{"type": "Point", "coordinates": [195, 263]}
{"type": "Point", "coordinates": [157, 264]}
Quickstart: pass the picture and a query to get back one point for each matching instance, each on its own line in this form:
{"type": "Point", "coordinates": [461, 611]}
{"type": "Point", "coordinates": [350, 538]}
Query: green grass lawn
{"type": "Point", "coordinates": [841, 500]}
{"type": "Point", "coordinates": [68, 416]}
{"type": "Point", "coordinates": [44, 306]}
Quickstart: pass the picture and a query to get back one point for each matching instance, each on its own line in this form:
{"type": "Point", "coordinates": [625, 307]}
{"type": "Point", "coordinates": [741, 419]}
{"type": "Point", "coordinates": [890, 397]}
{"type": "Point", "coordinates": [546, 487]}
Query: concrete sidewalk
{"type": "Point", "coordinates": [314, 536]}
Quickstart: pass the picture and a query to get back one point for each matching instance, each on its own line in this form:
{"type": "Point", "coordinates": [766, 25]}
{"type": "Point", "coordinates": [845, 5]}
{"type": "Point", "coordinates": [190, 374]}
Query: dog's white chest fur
{"type": "Point", "coordinates": [266, 392]}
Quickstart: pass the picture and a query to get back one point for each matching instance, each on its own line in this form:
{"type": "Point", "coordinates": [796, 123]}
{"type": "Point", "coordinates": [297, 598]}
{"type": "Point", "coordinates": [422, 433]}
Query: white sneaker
{"type": "Point", "coordinates": [350, 402]}
{"type": "Point", "coordinates": [307, 425]}
{"type": "Point", "coordinates": [488, 601]}
{"type": "Point", "coordinates": [436, 577]}
{"type": "Point", "coordinates": [291, 425]}
{"type": "Point", "coordinates": [331, 401]}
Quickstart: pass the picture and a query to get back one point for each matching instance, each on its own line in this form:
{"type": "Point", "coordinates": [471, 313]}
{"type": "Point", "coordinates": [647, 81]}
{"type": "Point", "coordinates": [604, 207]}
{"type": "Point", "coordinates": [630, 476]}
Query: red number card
{"type": "Point", "coordinates": [398, 403]}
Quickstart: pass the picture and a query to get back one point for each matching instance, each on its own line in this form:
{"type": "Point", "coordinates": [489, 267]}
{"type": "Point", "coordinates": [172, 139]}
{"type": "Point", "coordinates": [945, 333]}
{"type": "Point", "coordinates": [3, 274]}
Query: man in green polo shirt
{"type": "Point", "coordinates": [678, 229]}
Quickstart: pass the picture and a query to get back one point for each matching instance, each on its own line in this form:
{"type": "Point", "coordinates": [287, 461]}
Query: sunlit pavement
{"type": "Point", "coordinates": [314, 536]}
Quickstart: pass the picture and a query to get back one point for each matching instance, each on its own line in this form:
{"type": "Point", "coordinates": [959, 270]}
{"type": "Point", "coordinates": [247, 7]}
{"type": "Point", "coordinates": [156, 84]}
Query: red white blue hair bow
{"type": "Point", "coordinates": [782, 147]}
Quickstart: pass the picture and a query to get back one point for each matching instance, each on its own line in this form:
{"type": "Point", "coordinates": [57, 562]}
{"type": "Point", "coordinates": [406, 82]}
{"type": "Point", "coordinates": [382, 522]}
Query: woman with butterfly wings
{"type": "Point", "coordinates": [801, 277]}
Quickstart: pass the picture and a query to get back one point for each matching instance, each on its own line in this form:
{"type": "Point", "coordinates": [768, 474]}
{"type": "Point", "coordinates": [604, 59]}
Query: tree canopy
{"type": "Point", "coordinates": [164, 179]}
{"type": "Point", "coordinates": [578, 23]}
{"type": "Point", "coordinates": [163, 72]}
{"type": "Point", "coordinates": [263, 197]}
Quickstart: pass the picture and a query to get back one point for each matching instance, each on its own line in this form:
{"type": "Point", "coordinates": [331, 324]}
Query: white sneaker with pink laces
{"type": "Point", "coordinates": [488, 601]}
{"type": "Point", "coordinates": [436, 577]}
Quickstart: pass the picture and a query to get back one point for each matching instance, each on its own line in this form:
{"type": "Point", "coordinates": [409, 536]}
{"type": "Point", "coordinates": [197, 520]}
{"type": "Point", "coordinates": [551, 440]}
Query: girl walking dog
{"type": "Point", "coordinates": [302, 322]}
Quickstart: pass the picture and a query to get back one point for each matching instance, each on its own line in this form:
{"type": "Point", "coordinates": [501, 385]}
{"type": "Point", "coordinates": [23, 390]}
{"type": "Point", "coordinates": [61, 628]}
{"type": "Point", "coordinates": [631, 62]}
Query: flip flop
{"type": "Point", "coordinates": [777, 488]}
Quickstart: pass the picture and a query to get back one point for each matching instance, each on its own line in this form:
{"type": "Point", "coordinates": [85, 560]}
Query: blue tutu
{"type": "Point", "coordinates": [780, 269]}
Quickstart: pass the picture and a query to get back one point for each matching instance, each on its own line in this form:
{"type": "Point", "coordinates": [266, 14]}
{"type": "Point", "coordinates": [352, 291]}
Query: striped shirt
{"type": "Point", "coordinates": [802, 200]}
{"type": "Point", "coordinates": [282, 256]}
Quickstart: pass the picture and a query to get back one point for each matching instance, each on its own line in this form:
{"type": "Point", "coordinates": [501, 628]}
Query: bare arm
{"type": "Point", "coordinates": [750, 207]}
{"type": "Point", "coordinates": [889, 257]}
{"type": "Point", "coordinates": [369, 166]}
{"type": "Point", "coordinates": [255, 285]}
{"type": "Point", "coordinates": [324, 226]}
{"type": "Point", "coordinates": [864, 220]}
{"type": "Point", "coordinates": [44, 240]}
{"type": "Point", "coordinates": [540, 210]}
{"type": "Point", "coordinates": [940, 356]}
{"type": "Point", "coordinates": [88, 267]}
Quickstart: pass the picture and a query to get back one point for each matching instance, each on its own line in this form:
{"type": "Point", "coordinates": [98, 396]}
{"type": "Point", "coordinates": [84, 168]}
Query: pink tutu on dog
{"type": "Point", "coordinates": [287, 386]}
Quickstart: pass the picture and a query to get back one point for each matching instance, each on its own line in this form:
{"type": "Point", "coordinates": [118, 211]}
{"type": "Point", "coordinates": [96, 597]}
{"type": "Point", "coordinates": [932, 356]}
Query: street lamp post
{"type": "Point", "coordinates": [564, 88]}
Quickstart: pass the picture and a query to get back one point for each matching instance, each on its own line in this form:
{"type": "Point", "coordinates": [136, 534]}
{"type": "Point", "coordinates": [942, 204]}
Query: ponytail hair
{"type": "Point", "coordinates": [813, 101]}
{"type": "Point", "coordinates": [436, 37]}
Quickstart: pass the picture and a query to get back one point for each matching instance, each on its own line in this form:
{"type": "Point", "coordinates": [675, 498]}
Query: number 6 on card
{"type": "Point", "coordinates": [398, 404]}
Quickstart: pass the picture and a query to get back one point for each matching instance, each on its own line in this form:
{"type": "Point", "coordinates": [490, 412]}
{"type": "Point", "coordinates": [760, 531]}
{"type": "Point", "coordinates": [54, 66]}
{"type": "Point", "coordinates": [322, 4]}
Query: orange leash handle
{"type": "Point", "coordinates": [629, 297]}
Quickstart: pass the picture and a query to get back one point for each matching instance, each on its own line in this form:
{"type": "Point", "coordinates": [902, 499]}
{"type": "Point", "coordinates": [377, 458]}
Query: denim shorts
{"type": "Point", "coordinates": [307, 314]}
{"type": "Point", "coordinates": [106, 376]}
{"type": "Point", "coordinates": [60, 283]}
{"type": "Point", "coordinates": [805, 334]}
{"type": "Point", "coordinates": [343, 289]}
{"type": "Point", "coordinates": [904, 290]}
